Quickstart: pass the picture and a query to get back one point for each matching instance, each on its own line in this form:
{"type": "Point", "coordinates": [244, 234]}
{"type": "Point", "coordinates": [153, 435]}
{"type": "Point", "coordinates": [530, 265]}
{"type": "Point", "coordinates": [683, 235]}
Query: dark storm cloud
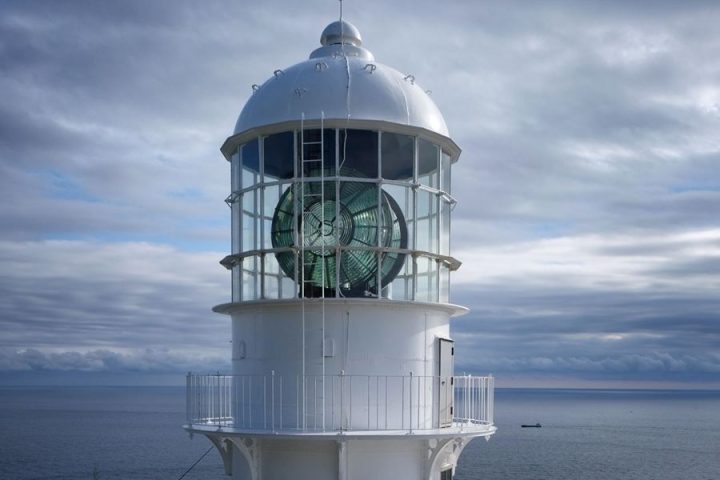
{"type": "Point", "coordinates": [588, 186]}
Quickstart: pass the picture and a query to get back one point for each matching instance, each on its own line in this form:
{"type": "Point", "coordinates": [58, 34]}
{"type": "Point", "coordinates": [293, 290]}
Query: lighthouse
{"type": "Point", "coordinates": [342, 354]}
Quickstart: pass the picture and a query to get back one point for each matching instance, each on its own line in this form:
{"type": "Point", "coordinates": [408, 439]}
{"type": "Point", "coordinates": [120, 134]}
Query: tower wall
{"type": "Point", "coordinates": [361, 338]}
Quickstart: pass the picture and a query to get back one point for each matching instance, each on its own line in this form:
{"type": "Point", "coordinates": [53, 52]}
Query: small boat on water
{"type": "Point", "coordinates": [537, 425]}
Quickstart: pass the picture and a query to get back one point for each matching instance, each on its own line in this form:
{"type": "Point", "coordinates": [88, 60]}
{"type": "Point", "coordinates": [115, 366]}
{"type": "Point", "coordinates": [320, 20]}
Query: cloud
{"type": "Point", "coordinates": [90, 295]}
{"type": "Point", "coordinates": [107, 361]}
{"type": "Point", "coordinates": [588, 185]}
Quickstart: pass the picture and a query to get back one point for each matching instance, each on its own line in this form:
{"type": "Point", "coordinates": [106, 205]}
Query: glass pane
{"type": "Point", "coordinates": [426, 232]}
{"type": "Point", "coordinates": [236, 283]}
{"type": "Point", "coordinates": [444, 284]}
{"type": "Point", "coordinates": [401, 287]}
{"type": "Point", "coordinates": [250, 279]}
{"type": "Point", "coordinates": [400, 198]}
{"type": "Point", "coordinates": [359, 153]}
{"type": "Point", "coordinates": [422, 292]}
{"type": "Point", "coordinates": [272, 197]}
{"type": "Point", "coordinates": [428, 158]}
{"type": "Point", "coordinates": [235, 226]}
{"type": "Point", "coordinates": [267, 233]}
{"type": "Point", "coordinates": [278, 156]}
{"type": "Point", "coordinates": [235, 180]}
{"type": "Point", "coordinates": [444, 227]}
{"type": "Point", "coordinates": [250, 164]}
{"type": "Point", "coordinates": [398, 152]}
{"type": "Point", "coordinates": [271, 278]}
{"type": "Point", "coordinates": [446, 166]}
{"type": "Point", "coordinates": [433, 281]}
{"type": "Point", "coordinates": [287, 287]}
{"type": "Point", "coordinates": [250, 234]}
{"type": "Point", "coordinates": [315, 147]}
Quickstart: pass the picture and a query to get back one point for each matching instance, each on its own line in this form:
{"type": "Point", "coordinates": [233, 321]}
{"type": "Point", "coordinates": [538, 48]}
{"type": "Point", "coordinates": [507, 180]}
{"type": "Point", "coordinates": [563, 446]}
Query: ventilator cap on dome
{"type": "Point", "coordinates": [341, 32]}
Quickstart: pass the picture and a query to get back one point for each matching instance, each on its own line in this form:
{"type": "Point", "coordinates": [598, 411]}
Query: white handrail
{"type": "Point", "coordinates": [338, 402]}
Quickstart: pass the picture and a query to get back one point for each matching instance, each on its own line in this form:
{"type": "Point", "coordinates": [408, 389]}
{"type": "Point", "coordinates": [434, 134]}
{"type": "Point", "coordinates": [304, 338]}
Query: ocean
{"type": "Point", "coordinates": [125, 433]}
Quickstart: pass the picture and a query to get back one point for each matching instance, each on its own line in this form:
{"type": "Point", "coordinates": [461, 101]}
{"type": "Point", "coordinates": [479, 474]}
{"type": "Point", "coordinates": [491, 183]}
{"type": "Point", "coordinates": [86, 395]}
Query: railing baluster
{"type": "Point", "coordinates": [297, 402]}
{"type": "Point", "coordinates": [265, 402]}
{"type": "Point", "coordinates": [410, 409]}
{"type": "Point", "coordinates": [368, 402]}
{"type": "Point", "coordinates": [226, 400]}
{"type": "Point", "coordinates": [386, 403]}
{"type": "Point", "coordinates": [272, 400]}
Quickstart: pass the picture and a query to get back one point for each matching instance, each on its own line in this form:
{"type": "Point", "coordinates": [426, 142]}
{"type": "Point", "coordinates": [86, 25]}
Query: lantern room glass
{"type": "Point", "coordinates": [394, 198]}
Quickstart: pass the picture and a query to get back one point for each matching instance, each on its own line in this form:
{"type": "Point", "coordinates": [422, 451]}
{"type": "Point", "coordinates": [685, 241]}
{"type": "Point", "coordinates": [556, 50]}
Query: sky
{"type": "Point", "coordinates": [588, 220]}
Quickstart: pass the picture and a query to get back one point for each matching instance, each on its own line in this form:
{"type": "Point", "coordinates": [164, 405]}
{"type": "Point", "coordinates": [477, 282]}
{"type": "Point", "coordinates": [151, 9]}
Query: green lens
{"type": "Point", "coordinates": [355, 224]}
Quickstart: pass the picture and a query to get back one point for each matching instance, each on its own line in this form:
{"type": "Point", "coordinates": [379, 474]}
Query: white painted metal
{"type": "Point", "coordinates": [445, 371]}
{"type": "Point", "coordinates": [339, 388]}
{"type": "Point", "coordinates": [355, 403]}
{"type": "Point", "coordinates": [344, 81]}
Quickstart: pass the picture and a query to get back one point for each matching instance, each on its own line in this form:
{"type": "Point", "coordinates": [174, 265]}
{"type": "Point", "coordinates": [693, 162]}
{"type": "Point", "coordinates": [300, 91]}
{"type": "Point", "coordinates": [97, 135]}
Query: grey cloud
{"type": "Point", "coordinates": [106, 361]}
{"type": "Point", "coordinates": [89, 295]}
{"type": "Point", "coordinates": [577, 119]}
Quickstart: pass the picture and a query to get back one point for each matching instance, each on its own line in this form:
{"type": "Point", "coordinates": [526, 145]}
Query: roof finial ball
{"type": "Point", "coordinates": [341, 32]}
{"type": "Point", "coordinates": [341, 39]}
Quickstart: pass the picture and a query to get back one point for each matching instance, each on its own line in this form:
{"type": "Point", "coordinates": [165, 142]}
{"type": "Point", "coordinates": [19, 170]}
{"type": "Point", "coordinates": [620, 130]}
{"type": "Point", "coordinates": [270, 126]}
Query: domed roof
{"type": "Point", "coordinates": [341, 80]}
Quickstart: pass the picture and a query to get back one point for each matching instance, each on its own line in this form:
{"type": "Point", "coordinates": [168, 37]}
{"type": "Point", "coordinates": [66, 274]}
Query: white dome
{"type": "Point", "coordinates": [359, 89]}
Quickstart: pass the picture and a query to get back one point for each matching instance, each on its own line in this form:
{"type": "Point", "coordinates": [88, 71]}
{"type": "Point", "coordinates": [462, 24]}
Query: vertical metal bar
{"type": "Point", "coordinates": [281, 403]}
{"type": "Point", "coordinates": [218, 404]}
{"type": "Point", "coordinates": [265, 402]}
{"type": "Point", "coordinates": [188, 380]}
{"type": "Point", "coordinates": [322, 252]}
{"type": "Point", "coordinates": [337, 213]}
{"type": "Point", "coordinates": [272, 399]}
{"type": "Point", "coordinates": [467, 399]}
{"type": "Point", "coordinates": [411, 399]}
{"type": "Point", "coordinates": [297, 402]}
{"type": "Point", "coordinates": [342, 404]}
{"type": "Point", "coordinates": [402, 404]}
{"type": "Point", "coordinates": [386, 402]}
{"type": "Point", "coordinates": [332, 400]}
{"type": "Point", "coordinates": [377, 403]}
{"type": "Point", "coordinates": [368, 402]}
{"type": "Point", "coordinates": [417, 426]}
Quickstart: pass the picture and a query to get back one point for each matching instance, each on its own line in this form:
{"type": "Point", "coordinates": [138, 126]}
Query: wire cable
{"type": "Point", "coordinates": [196, 462]}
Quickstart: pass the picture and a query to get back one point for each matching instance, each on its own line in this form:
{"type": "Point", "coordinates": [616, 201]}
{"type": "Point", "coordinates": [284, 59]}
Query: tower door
{"type": "Point", "coordinates": [445, 381]}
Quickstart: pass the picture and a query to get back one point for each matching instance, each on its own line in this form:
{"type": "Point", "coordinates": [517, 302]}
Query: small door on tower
{"type": "Point", "coordinates": [445, 380]}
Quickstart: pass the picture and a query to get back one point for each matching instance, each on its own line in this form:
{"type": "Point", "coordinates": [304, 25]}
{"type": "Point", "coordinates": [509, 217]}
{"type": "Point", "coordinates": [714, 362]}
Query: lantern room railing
{"type": "Point", "coordinates": [339, 403]}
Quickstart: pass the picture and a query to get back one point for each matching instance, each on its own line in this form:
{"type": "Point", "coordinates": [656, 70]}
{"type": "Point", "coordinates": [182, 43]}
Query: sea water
{"type": "Point", "coordinates": [134, 433]}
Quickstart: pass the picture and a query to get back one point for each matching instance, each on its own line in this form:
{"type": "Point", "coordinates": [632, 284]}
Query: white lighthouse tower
{"type": "Point", "coordinates": [341, 349]}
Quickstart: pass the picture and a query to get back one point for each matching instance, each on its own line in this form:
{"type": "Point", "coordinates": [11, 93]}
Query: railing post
{"type": "Point", "coordinates": [272, 399]}
{"type": "Point", "coordinates": [265, 402]}
{"type": "Point", "coordinates": [468, 389]}
{"type": "Point", "coordinates": [411, 409]}
{"type": "Point", "coordinates": [342, 395]}
{"type": "Point", "coordinates": [297, 402]}
{"type": "Point", "coordinates": [187, 398]}
{"type": "Point", "coordinates": [368, 402]}
{"type": "Point", "coordinates": [491, 409]}
{"type": "Point", "coordinates": [217, 398]}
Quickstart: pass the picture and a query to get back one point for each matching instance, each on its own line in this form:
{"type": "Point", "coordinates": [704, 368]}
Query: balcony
{"type": "Point", "coordinates": [340, 404]}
